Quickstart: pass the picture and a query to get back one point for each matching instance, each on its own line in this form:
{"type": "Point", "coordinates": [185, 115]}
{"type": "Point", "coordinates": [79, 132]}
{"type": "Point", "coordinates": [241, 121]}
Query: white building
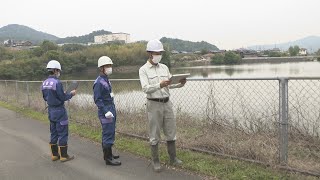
{"type": "Point", "coordinates": [303, 52]}
{"type": "Point", "coordinates": [8, 42]}
{"type": "Point", "coordinates": [114, 37]}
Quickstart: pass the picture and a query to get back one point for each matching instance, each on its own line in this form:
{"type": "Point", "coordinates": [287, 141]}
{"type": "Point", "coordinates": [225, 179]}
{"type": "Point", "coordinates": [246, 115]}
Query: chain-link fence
{"type": "Point", "coordinates": [304, 123]}
{"type": "Point", "coordinates": [270, 120]}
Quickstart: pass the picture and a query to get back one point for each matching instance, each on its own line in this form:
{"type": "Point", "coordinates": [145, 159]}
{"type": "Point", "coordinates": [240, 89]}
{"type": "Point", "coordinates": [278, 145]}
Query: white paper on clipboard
{"type": "Point", "coordinates": [175, 79]}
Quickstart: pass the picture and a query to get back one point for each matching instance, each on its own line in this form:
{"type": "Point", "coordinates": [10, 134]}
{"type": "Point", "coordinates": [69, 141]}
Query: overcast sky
{"type": "Point", "coordinates": [229, 24]}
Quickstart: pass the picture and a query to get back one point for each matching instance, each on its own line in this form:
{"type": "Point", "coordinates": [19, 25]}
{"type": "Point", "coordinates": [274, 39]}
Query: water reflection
{"type": "Point", "coordinates": [302, 69]}
{"type": "Point", "coordinates": [223, 71]}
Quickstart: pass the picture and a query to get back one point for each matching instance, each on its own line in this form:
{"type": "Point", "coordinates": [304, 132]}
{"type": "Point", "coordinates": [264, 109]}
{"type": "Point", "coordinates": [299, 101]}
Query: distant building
{"type": "Point", "coordinates": [12, 43]}
{"type": "Point", "coordinates": [114, 37]}
{"type": "Point", "coordinates": [303, 52]}
{"type": "Point", "coordinates": [222, 51]}
{"type": "Point", "coordinates": [8, 42]}
{"type": "Point", "coordinates": [83, 44]}
{"type": "Point", "coordinates": [23, 43]}
{"type": "Point", "coordinates": [246, 52]}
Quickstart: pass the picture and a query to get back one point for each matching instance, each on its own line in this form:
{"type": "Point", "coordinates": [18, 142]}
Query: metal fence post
{"type": "Point", "coordinates": [28, 94]}
{"type": "Point", "coordinates": [17, 93]}
{"type": "Point", "coordinates": [6, 90]}
{"type": "Point", "coordinates": [283, 121]}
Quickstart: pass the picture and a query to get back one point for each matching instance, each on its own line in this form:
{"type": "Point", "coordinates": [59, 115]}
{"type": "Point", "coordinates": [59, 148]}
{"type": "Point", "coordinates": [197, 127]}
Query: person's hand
{"type": "Point", "coordinates": [183, 81]}
{"type": "Point", "coordinates": [165, 83]}
{"type": "Point", "coordinates": [73, 92]}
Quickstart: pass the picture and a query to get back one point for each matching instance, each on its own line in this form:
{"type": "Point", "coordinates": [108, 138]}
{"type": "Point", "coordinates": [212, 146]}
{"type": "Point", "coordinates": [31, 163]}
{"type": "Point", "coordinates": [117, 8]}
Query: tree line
{"type": "Point", "coordinates": [30, 64]}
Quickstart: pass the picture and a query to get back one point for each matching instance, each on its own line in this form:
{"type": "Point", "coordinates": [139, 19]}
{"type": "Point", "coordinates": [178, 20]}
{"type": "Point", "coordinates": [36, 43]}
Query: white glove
{"type": "Point", "coordinates": [109, 115]}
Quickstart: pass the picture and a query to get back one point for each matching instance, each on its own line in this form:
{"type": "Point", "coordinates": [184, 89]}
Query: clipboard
{"type": "Point", "coordinates": [175, 79]}
{"type": "Point", "coordinates": [74, 85]}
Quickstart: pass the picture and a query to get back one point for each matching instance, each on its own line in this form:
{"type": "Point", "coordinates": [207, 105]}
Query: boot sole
{"type": "Point", "coordinates": [65, 160]}
{"type": "Point", "coordinates": [156, 169]}
{"type": "Point", "coordinates": [113, 164]}
{"type": "Point", "coordinates": [55, 158]}
{"type": "Point", "coordinates": [114, 157]}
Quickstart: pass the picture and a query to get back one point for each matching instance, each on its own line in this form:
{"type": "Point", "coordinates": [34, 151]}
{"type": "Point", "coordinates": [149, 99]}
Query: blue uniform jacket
{"type": "Point", "coordinates": [53, 94]}
{"type": "Point", "coordinates": [102, 97]}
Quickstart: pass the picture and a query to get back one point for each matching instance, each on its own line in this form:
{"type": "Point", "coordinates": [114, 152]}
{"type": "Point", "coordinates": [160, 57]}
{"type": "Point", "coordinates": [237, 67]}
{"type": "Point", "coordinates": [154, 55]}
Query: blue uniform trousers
{"type": "Point", "coordinates": [58, 125]}
{"type": "Point", "coordinates": [108, 127]}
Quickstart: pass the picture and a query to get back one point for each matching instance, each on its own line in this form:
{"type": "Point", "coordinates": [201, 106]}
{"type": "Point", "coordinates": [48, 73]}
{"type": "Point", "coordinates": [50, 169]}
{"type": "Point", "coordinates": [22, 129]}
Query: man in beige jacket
{"type": "Point", "coordinates": [154, 79]}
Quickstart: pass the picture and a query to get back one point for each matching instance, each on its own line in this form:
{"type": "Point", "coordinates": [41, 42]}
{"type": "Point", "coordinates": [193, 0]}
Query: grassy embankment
{"type": "Point", "coordinates": [207, 165]}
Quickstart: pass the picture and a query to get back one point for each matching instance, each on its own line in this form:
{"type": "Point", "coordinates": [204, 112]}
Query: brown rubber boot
{"type": "Point", "coordinates": [63, 151]}
{"type": "Point", "coordinates": [54, 152]}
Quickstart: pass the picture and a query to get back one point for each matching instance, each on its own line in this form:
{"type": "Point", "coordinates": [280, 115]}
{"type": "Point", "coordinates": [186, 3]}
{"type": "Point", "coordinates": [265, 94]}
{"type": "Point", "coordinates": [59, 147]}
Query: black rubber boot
{"type": "Point", "coordinates": [54, 152]}
{"type": "Point", "coordinates": [155, 158]}
{"type": "Point", "coordinates": [115, 156]}
{"type": "Point", "coordinates": [171, 145]}
{"type": "Point", "coordinates": [107, 156]}
{"type": "Point", "coordinates": [63, 151]}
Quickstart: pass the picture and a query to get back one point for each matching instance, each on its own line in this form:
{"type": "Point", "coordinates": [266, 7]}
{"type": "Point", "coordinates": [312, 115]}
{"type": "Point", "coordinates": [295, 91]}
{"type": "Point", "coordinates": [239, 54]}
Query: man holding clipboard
{"type": "Point", "coordinates": [155, 82]}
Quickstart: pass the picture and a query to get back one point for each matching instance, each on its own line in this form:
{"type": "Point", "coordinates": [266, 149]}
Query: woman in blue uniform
{"type": "Point", "coordinates": [103, 98]}
{"type": "Point", "coordinates": [54, 95]}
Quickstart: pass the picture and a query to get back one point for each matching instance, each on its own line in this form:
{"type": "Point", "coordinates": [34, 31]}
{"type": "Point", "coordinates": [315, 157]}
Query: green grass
{"type": "Point", "coordinates": [203, 164]}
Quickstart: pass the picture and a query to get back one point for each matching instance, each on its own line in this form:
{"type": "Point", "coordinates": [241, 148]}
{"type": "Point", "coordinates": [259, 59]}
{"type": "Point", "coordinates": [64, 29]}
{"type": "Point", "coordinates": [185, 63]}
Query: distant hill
{"type": "Point", "coordinates": [82, 39]}
{"type": "Point", "coordinates": [19, 32]}
{"type": "Point", "coordinates": [311, 43]}
{"type": "Point", "coordinates": [182, 45]}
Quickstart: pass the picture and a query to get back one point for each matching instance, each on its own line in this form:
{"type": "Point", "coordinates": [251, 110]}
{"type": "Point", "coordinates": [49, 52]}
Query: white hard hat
{"type": "Point", "coordinates": [53, 64]}
{"type": "Point", "coordinates": [155, 46]}
{"type": "Point", "coordinates": [104, 60]}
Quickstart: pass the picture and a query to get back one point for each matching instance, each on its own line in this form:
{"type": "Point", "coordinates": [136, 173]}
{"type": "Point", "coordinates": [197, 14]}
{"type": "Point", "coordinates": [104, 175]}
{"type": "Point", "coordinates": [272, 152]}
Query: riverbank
{"type": "Point", "coordinates": [250, 60]}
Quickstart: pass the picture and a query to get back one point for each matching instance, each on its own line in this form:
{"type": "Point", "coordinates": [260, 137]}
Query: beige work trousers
{"type": "Point", "coordinates": [160, 115]}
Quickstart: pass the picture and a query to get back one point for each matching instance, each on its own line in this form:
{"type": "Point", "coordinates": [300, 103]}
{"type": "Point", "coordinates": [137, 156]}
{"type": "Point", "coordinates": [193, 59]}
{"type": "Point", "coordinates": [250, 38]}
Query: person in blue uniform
{"type": "Point", "coordinates": [54, 95]}
{"type": "Point", "coordinates": [103, 98]}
